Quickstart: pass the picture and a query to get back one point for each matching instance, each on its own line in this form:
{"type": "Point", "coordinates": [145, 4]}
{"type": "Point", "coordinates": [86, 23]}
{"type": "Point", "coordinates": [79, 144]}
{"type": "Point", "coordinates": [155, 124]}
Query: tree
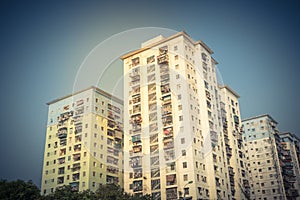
{"type": "Point", "coordinates": [18, 189]}
{"type": "Point", "coordinates": [111, 191]}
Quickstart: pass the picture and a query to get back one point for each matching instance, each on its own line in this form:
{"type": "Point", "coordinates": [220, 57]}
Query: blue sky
{"type": "Point", "coordinates": [44, 43]}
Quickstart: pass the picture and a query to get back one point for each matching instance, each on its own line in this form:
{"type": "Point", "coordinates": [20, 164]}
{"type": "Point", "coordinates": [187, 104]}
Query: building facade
{"type": "Point", "coordinates": [83, 145]}
{"type": "Point", "coordinates": [174, 139]}
{"type": "Point", "coordinates": [262, 144]}
{"type": "Point", "coordinates": [234, 144]}
{"type": "Point", "coordinates": [289, 156]}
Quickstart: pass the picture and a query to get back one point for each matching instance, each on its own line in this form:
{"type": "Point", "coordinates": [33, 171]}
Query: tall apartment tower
{"type": "Point", "coordinates": [262, 144]}
{"type": "Point", "coordinates": [290, 164]}
{"type": "Point", "coordinates": [83, 141]}
{"type": "Point", "coordinates": [173, 144]}
{"type": "Point", "coordinates": [234, 144]}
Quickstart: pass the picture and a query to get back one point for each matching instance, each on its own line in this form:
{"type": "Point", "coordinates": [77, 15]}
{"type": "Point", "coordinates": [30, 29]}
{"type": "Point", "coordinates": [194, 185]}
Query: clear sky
{"type": "Point", "coordinates": [44, 43]}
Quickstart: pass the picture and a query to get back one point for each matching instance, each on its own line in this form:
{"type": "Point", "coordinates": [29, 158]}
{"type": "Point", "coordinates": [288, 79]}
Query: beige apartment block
{"type": "Point", "coordinates": [234, 144]}
{"type": "Point", "coordinates": [174, 135]}
{"type": "Point", "coordinates": [290, 164]}
{"type": "Point", "coordinates": [83, 146]}
{"type": "Point", "coordinates": [262, 144]}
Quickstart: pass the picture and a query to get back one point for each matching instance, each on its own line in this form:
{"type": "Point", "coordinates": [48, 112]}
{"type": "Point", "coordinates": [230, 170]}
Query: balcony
{"type": "Point", "coordinates": [207, 93]}
{"type": "Point", "coordinates": [61, 170]}
{"type": "Point", "coordinates": [74, 186]}
{"type": "Point", "coordinates": [62, 152]}
{"type": "Point", "coordinates": [61, 160]}
{"type": "Point", "coordinates": [75, 167]}
{"type": "Point", "coordinates": [118, 144]}
{"type": "Point", "coordinates": [168, 144]}
{"type": "Point", "coordinates": [214, 136]}
{"type": "Point", "coordinates": [164, 69]}
{"type": "Point", "coordinates": [154, 161]}
{"type": "Point", "coordinates": [152, 98]}
{"type": "Point", "coordinates": [153, 138]}
{"type": "Point", "coordinates": [171, 193]}
{"type": "Point", "coordinates": [137, 149]}
{"type": "Point", "coordinates": [78, 129]}
{"type": "Point", "coordinates": [166, 109]}
{"type": "Point", "coordinates": [112, 170]}
{"type": "Point", "coordinates": [135, 91]}
{"type": "Point", "coordinates": [169, 154]}
{"type": "Point", "coordinates": [137, 173]}
{"type": "Point", "coordinates": [236, 119]}
{"type": "Point", "coordinates": [136, 119]}
{"type": "Point", "coordinates": [65, 116]}
{"type": "Point", "coordinates": [152, 107]}
{"type": "Point", "coordinates": [152, 88]}
{"type": "Point", "coordinates": [137, 186]}
{"type": "Point", "coordinates": [163, 59]}
{"type": "Point", "coordinates": [63, 142]}
{"type": "Point", "coordinates": [76, 157]}
{"type": "Point", "coordinates": [62, 133]}
{"type": "Point", "coordinates": [165, 78]}
{"type": "Point", "coordinates": [171, 179]}
{"type": "Point", "coordinates": [165, 89]}
{"type": "Point", "coordinates": [77, 147]}
{"type": "Point", "coordinates": [136, 128]}
{"type": "Point", "coordinates": [230, 171]}
{"type": "Point", "coordinates": [75, 177]}
{"type": "Point", "coordinates": [60, 180]}
{"type": "Point", "coordinates": [111, 124]}
{"type": "Point", "coordinates": [153, 127]}
{"type": "Point", "coordinates": [152, 117]}
{"type": "Point", "coordinates": [168, 132]}
{"type": "Point", "coordinates": [112, 160]}
{"type": "Point", "coordinates": [167, 120]}
{"type": "Point", "coordinates": [166, 99]}
{"type": "Point", "coordinates": [155, 172]}
{"type": "Point", "coordinates": [78, 138]}
{"type": "Point", "coordinates": [112, 179]}
{"type": "Point", "coordinates": [135, 61]}
{"type": "Point", "coordinates": [154, 150]}
{"type": "Point", "coordinates": [155, 184]}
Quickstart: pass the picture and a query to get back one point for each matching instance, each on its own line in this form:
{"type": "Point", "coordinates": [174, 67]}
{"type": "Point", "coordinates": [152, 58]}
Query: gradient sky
{"type": "Point", "coordinates": [44, 43]}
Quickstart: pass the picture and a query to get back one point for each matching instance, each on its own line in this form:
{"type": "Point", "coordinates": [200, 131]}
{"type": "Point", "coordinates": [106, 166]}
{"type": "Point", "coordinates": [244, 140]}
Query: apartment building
{"type": "Point", "coordinates": [234, 144]}
{"type": "Point", "coordinates": [262, 145]}
{"type": "Point", "coordinates": [290, 164]}
{"type": "Point", "coordinates": [174, 139]}
{"type": "Point", "coordinates": [83, 146]}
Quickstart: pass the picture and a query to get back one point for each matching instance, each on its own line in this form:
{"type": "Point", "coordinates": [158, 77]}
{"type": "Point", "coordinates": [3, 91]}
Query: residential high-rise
{"type": "Point", "coordinates": [234, 144]}
{"type": "Point", "coordinates": [290, 164]}
{"type": "Point", "coordinates": [262, 144]}
{"type": "Point", "coordinates": [83, 145]}
{"type": "Point", "coordinates": [174, 140]}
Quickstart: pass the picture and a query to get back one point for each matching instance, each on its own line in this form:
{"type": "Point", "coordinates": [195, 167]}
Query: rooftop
{"type": "Point", "coordinates": [260, 116]}
{"type": "Point", "coordinates": [95, 89]}
{"type": "Point", "coordinates": [162, 40]}
{"type": "Point", "coordinates": [230, 90]}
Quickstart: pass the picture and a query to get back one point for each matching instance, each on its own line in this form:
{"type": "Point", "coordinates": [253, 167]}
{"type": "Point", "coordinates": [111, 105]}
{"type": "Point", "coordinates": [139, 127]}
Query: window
{"type": "Point", "coordinates": [179, 107]}
{"type": "Point", "coordinates": [176, 57]}
{"type": "Point", "coordinates": [179, 97]}
{"type": "Point", "coordinates": [182, 140]}
{"type": "Point", "coordinates": [180, 118]}
{"type": "Point", "coordinates": [185, 177]}
{"type": "Point", "coordinates": [175, 48]}
{"type": "Point", "coordinates": [177, 76]}
{"type": "Point", "coordinates": [184, 164]}
{"type": "Point", "coordinates": [183, 152]}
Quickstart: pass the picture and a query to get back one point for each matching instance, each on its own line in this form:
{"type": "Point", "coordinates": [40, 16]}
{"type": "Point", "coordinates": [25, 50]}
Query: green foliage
{"type": "Point", "coordinates": [18, 190]}
{"type": "Point", "coordinates": [28, 191]}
